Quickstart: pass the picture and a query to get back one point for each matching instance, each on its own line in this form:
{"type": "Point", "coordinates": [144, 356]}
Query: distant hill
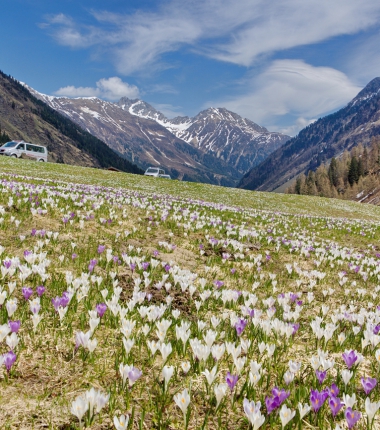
{"type": "Point", "coordinates": [356, 123]}
{"type": "Point", "coordinates": [23, 116]}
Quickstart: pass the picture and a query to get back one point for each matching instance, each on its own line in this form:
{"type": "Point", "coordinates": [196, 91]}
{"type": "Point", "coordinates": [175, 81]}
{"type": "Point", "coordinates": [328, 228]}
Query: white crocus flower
{"type": "Point", "coordinates": [4, 331]}
{"type": "Point", "coordinates": [303, 409]}
{"type": "Point", "coordinates": [167, 373]}
{"type": "Point", "coordinates": [121, 423]}
{"type": "Point", "coordinates": [371, 408]}
{"type": "Point", "coordinates": [286, 415]}
{"type": "Point", "coordinates": [348, 400]}
{"type": "Point", "coordinates": [79, 407]}
{"type": "Point", "coordinates": [182, 400]}
{"type": "Point", "coordinates": [210, 375]}
{"type": "Point", "coordinates": [12, 341]}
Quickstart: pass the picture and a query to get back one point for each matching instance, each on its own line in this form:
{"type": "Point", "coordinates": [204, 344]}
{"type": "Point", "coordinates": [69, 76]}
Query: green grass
{"type": "Point", "coordinates": [314, 206]}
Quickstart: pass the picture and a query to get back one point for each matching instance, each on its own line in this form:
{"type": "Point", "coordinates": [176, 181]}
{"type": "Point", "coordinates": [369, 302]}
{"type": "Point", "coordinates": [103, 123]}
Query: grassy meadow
{"type": "Point", "coordinates": [130, 302]}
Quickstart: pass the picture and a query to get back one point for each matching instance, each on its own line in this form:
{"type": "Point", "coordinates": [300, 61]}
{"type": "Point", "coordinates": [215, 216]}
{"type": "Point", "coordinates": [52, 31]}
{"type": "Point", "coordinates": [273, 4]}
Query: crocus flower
{"type": "Point", "coordinates": [286, 415]}
{"type": "Point", "coordinates": [240, 326]}
{"type": "Point", "coordinates": [182, 400]}
{"type": "Point", "coordinates": [368, 384]}
{"type": "Point", "coordinates": [218, 283]}
{"type": "Point", "coordinates": [121, 423]}
{"type": "Point", "coordinates": [317, 399]}
{"type": "Point", "coordinates": [14, 325]}
{"type": "Point", "coordinates": [352, 417]}
{"type": "Point", "coordinates": [133, 375]}
{"type": "Point", "coordinates": [335, 405]}
{"type": "Point", "coordinates": [40, 290]}
{"type": "Point", "coordinates": [349, 357]}
{"type": "Point", "coordinates": [371, 409]}
{"type": "Point", "coordinates": [101, 248]}
{"type": "Point", "coordinates": [231, 380]}
{"type": "Point", "coordinates": [101, 309]}
{"type": "Point", "coordinates": [27, 292]}
{"type": "Point", "coordinates": [8, 359]}
{"type": "Point", "coordinates": [320, 375]}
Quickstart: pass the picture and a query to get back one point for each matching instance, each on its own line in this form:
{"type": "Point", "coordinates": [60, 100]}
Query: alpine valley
{"type": "Point", "coordinates": [216, 146]}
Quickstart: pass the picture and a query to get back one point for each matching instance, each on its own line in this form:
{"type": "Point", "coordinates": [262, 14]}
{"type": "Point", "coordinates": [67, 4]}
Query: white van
{"type": "Point", "coordinates": [16, 148]}
{"type": "Point", "coordinates": [154, 171]}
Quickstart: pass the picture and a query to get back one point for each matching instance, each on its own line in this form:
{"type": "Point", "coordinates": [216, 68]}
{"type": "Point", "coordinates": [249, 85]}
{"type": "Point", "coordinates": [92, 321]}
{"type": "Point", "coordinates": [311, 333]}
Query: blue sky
{"type": "Point", "coordinates": [280, 64]}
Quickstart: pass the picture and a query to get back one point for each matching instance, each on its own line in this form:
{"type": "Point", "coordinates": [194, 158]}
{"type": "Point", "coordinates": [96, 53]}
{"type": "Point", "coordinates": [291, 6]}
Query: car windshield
{"type": "Point", "coordinates": [10, 144]}
{"type": "Point", "coordinates": [152, 170]}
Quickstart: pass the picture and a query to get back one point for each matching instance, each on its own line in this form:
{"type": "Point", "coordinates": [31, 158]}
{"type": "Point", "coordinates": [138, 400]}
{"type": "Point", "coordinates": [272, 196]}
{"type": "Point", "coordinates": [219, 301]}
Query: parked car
{"type": "Point", "coordinates": [16, 148]}
{"type": "Point", "coordinates": [165, 176]}
{"type": "Point", "coordinates": [154, 171]}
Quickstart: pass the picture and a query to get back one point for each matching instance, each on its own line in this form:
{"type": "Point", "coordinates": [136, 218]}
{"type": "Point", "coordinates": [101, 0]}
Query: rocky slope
{"type": "Point", "coordinates": [356, 123]}
{"type": "Point", "coordinates": [218, 132]}
{"type": "Point", "coordinates": [24, 117]}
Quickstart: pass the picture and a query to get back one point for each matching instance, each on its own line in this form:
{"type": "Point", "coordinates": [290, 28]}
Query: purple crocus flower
{"type": "Point", "coordinates": [27, 292]}
{"type": "Point", "coordinates": [233, 271]}
{"type": "Point", "coordinates": [218, 283]}
{"type": "Point", "coordinates": [14, 325]}
{"type": "Point", "coordinates": [40, 290]}
{"type": "Point", "coordinates": [101, 309]}
{"type": "Point", "coordinates": [335, 405]}
{"type": "Point", "coordinates": [368, 384]}
{"type": "Point", "coordinates": [281, 394]}
{"type": "Point", "coordinates": [276, 399]}
{"type": "Point", "coordinates": [134, 374]}
{"type": "Point", "coordinates": [132, 266]}
{"type": "Point", "coordinates": [333, 391]}
{"type": "Point", "coordinates": [295, 326]}
{"type": "Point", "coordinates": [320, 375]}
{"type": "Point", "coordinates": [271, 403]}
{"type": "Point", "coordinates": [352, 417]}
{"type": "Point", "coordinates": [167, 267]}
{"type": "Point", "coordinates": [240, 326]}
{"type": "Point", "coordinates": [9, 359]}
{"type": "Point", "coordinates": [101, 248]}
{"type": "Point", "coordinates": [317, 399]}
{"type": "Point", "coordinates": [145, 265]}
{"type": "Point", "coordinates": [56, 302]}
{"type": "Point", "coordinates": [349, 357]}
{"type": "Point", "coordinates": [74, 256]}
{"type": "Point", "coordinates": [65, 299]}
{"type": "Point", "coordinates": [92, 264]}
{"type": "Point", "coordinates": [155, 253]}
{"type": "Point", "coordinates": [7, 263]}
{"type": "Point", "coordinates": [231, 380]}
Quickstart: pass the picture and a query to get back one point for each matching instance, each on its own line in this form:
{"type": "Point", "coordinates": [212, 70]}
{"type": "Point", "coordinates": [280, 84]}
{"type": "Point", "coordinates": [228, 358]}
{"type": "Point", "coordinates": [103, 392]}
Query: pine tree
{"type": "Point", "coordinates": [353, 171]}
{"type": "Point", "coordinates": [333, 172]}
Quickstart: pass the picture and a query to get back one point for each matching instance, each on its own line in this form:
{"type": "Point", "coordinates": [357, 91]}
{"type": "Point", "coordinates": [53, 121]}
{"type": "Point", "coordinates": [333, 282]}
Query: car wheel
{"type": "Point", "coordinates": [41, 160]}
{"type": "Point", "coordinates": [14, 155]}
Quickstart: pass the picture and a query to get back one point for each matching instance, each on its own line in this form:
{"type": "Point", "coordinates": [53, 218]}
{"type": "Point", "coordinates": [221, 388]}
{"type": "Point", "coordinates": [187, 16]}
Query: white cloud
{"type": "Point", "coordinates": [292, 93]}
{"type": "Point", "coordinates": [364, 59]}
{"type": "Point", "coordinates": [238, 32]}
{"type": "Point", "coordinates": [110, 89]}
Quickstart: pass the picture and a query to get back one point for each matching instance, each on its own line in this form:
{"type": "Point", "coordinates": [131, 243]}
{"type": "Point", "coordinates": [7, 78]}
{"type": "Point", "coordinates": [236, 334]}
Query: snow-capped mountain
{"type": "Point", "coordinates": [216, 131]}
{"type": "Point", "coordinates": [143, 141]}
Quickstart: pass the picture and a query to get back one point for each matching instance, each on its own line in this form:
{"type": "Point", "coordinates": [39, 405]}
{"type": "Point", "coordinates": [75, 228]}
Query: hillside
{"type": "Point", "coordinates": [356, 123]}
{"type": "Point", "coordinates": [22, 116]}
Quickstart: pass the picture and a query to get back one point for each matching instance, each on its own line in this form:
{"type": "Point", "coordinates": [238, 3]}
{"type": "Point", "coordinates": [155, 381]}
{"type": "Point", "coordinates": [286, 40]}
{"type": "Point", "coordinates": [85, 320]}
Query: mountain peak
{"type": "Point", "coordinates": [371, 89]}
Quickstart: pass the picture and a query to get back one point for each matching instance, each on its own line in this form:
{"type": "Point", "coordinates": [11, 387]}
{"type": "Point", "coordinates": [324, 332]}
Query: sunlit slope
{"type": "Point", "coordinates": [293, 204]}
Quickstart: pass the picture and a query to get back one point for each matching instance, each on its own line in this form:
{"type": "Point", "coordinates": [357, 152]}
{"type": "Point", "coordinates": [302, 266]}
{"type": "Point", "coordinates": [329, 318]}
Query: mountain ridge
{"type": "Point", "coordinates": [329, 136]}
